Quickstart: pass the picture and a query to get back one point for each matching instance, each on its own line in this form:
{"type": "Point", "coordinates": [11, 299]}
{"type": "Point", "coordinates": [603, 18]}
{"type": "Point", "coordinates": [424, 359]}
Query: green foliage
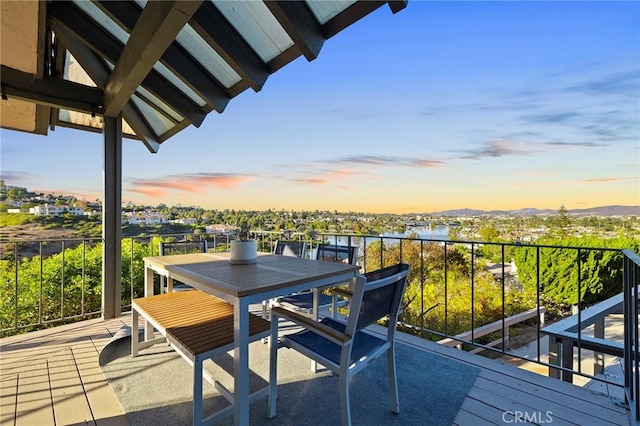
{"type": "Point", "coordinates": [440, 293]}
{"type": "Point", "coordinates": [15, 193]}
{"type": "Point", "coordinates": [70, 284]}
{"type": "Point", "coordinates": [489, 234]}
{"type": "Point", "coordinates": [568, 263]}
{"type": "Point", "coordinates": [15, 219]}
{"type": "Point", "coordinates": [67, 289]}
{"type": "Point", "coordinates": [454, 233]}
{"type": "Point", "coordinates": [561, 221]}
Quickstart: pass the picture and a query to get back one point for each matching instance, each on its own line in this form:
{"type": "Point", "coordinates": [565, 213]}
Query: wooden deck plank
{"type": "Point", "coordinates": [523, 379]}
{"type": "Point", "coordinates": [34, 404]}
{"type": "Point", "coordinates": [21, 348]}
{"type": "Point", "coordinates": [69, 401]}
{"type": "Point", "coordinates": [512, 410]}
{"type": "Point", "coordinates": [584, 400]}
{"type": "Point", "coordinates": [34, 401]}
{"type": "Point", "coordinates": [49, 334]}
{"type": "Point", "coordinates": [475, 413]}
{"type": "Point", "coordinates": [8, 398]}
{"type": "Point", "coordinates": [499, 388]}
{"type": "Point", "coordinates": [480, 412]}
{"type": "Point", "coordinates": [105, 406]}
{"type": "Point", "coordinates": [505, 370]}
{"type": "Point", "coordinates": [553, 403]}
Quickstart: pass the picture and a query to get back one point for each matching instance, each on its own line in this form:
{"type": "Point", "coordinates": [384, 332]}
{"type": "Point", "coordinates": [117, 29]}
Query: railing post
{"type": "Point", "coordinates": [567, 360]}
{"type": "Point", "coordinates": [598, 357]}
{"type": "Point", "coordinates": [561, 354]}
{"type": "Point", "coordinates": [554, 357]}
{"type": "Point", "coordinates": [630, 279]}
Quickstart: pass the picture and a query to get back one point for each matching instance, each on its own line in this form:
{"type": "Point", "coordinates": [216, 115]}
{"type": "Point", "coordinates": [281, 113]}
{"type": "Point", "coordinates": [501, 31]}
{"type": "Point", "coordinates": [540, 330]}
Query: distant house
{"type": "Point", "coordinates": [144, 219]}
{"type": "Point", "coordinates": [220, 229]}
{"type": "Point", "coordinates": [53, 210]}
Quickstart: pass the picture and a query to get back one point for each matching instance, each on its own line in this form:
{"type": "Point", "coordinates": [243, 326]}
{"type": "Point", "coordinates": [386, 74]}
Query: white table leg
{"type": "Point", "coordinates": [315, 314]}
{"type": "Point", "coordinates": [241, 362]}
{"type": "Point", "coordinates": [148, 291]}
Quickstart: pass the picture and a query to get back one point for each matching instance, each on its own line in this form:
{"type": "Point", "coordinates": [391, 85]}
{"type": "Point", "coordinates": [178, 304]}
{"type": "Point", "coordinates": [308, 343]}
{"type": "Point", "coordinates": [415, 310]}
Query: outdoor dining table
{"type": "Point", "coordinates": [243, 285]}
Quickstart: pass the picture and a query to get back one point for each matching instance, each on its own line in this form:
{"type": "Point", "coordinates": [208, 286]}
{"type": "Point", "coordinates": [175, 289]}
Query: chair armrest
{"type": "Point", "coordinates": [314, 326]}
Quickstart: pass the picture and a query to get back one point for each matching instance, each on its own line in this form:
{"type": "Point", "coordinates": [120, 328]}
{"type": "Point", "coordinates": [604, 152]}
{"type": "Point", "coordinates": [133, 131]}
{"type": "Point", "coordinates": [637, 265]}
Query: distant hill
{"type": "Point", "coordinates": [608, 211]}
{"type": "Point", "coordinates": [593, 211]}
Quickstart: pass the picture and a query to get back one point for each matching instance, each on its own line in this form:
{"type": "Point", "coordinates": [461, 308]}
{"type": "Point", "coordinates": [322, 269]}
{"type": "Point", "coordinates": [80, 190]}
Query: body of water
{"type": "Point", "coordinates": [439, 233]}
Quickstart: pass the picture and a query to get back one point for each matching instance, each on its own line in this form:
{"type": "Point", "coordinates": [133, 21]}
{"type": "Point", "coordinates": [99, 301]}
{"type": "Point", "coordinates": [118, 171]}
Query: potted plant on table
{"type": "Point", "coordinates": [244, 249]}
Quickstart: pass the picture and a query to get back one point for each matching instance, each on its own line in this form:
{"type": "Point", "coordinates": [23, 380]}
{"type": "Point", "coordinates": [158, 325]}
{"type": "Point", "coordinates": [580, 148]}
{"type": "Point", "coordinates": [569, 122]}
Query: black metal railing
{"type": "Point", "coordinates": [455, 287]}
{"type": "Point", "coordinates": [46, 282]}
{"type": "Point", "coordinates": [631, 281]}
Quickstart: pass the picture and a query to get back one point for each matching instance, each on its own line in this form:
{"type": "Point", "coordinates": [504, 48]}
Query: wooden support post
{"type": "Point", "coordinates": [111, 218]}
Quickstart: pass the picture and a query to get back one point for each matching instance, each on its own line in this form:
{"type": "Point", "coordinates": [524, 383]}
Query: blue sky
{"type": "Point", "coordinates": [489, 105]}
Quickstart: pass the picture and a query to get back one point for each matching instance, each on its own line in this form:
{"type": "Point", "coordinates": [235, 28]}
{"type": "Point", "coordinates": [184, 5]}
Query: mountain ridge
{"type": "Point", "coordinates": [613, 210]}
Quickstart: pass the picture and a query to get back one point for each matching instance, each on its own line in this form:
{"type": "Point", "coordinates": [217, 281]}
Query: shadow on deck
{"type": "Point", "coordinates": [53, 377]}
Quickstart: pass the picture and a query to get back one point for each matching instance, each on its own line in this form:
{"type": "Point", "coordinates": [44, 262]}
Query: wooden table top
{"type": "Point", "coordinates": [271, 272]}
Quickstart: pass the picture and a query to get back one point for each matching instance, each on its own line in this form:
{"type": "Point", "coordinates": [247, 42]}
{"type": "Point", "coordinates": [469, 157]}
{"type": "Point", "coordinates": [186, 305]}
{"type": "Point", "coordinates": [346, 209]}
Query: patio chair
{"type": "Point", "coordinates": [285, 248]}
{"type": "Point", "coordinates": [346, 348]}
{"type": "Point", "coordinates": [291, 248]}
{"type": "Point", "coordinates": [167, 248]}
{"type": "Point", "coordinates": [182, 247]}
{"type": "Point", "coordinates": [303, 301]}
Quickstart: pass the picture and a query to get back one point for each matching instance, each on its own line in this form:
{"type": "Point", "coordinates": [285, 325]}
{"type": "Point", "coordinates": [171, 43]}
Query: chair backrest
{"type": "Point", "coordinates": [291, 248]}
{"type": "Point", "coordinates": [182, 247]}
{"type": "Point", "coordinates": [337, 253]}
{"type": "Point", "coordinates": [376, 296]}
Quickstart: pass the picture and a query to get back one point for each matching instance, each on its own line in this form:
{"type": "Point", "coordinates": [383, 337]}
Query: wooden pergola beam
{"type": "Point", "coordinates": [52, 91]}
{"type": "Point", "coordinates": [158, 25]}
{"type": "Point", "coordinates": [299, 23]}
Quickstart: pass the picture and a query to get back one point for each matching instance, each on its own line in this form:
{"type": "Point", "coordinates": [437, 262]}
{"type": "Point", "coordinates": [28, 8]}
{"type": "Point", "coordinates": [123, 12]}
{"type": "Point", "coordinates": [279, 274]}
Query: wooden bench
{"type": "Point", "coordinates": [198, 326]}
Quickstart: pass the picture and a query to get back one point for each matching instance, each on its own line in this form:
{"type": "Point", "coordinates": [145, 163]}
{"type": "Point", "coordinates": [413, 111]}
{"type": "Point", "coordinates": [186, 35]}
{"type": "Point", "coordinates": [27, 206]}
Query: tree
{"type": "Point", "coordinates": [15, 193]}
{"type": "Point", "coordinates": [454, 233]}
{"type": "Point", "coordinates": [489, 233]}
{"type": "Point", "coordinates": [562, 220]}
{"type": "Point", "coordinates": [562, 268]}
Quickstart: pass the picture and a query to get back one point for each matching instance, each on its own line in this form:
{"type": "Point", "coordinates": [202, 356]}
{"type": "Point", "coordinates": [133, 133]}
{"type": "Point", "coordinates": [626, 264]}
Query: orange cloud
{"type": "Point", "coordinates": [423, 162]}
{"type": "Point", "coordinates": [150, 192]}
{"type": "Point", "coordinates": [597, 180]}
{"type": "Point", "coordinates": [313, 181]}
{"type": "Point", "coordinates": [89, 196]}
{"type": "Point", "coordinates": [194, 183]}
{"type": "Point", "coordinates": [334, 176]}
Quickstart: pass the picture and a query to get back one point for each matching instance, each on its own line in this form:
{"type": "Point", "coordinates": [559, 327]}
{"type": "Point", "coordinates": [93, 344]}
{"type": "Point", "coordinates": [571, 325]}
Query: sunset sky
{"type": "Point", "coordinates": [445, 105]}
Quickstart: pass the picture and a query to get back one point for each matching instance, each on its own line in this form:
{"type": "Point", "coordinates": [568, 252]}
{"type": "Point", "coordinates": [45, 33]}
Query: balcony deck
{"type": "Point", "coordinates": [53, 377]}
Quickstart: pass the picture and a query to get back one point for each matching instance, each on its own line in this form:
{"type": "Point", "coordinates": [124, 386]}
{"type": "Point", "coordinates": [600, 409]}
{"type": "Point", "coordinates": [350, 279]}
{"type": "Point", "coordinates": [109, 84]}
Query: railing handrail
{"type": "Point", "coordinates": [477, 243]}
{"type": "Point", "coordinates": [589, 316]}
{"type": "Point", "coordinates": [494, 326]}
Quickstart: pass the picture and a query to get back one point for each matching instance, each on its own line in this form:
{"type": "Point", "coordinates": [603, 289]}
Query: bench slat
{"type": "Point", "coordinates": [198, 321]}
